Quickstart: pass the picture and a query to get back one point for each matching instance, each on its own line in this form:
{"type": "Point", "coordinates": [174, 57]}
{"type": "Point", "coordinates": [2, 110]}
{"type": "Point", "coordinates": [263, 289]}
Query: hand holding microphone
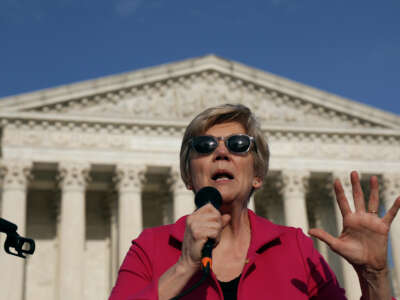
{"type": "Point", "coordinates": [203, 228]}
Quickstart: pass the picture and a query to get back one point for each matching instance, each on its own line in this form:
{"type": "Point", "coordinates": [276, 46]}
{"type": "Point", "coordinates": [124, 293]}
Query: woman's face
{"type": "Point", "coordinates": [232, 174]}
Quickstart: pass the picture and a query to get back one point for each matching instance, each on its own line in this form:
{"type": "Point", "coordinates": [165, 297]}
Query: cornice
{"type": "Point", "coordinates": [112, 87]}
{"type": "Point", "coordinates": [39, 123]}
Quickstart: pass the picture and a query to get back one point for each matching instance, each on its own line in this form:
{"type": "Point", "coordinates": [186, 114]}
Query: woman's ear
{"type": "Point", "coordinates": [257, 182]}
{"type": "Point", "coordinates": [189, 185]}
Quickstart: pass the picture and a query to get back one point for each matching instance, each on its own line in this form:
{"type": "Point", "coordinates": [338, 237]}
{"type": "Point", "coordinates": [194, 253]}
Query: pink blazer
{"type": "Point", "coordinates": [282, 264]}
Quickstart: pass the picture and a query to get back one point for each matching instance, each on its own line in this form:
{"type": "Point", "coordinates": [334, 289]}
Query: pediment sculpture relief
{"type": "Point", "coordinates": [181, 98]}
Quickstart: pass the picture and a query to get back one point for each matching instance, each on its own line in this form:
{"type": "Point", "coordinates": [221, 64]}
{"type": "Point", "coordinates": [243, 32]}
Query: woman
{"type": "Point", "coordinates": [223, 147]}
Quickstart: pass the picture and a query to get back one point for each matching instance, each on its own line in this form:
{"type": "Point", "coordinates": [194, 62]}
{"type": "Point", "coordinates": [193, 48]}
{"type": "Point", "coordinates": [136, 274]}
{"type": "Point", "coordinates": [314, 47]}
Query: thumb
{"type": "Point", "coordinates": [225, 220]}
{"type": "Point", "coordinates": [323, 236]}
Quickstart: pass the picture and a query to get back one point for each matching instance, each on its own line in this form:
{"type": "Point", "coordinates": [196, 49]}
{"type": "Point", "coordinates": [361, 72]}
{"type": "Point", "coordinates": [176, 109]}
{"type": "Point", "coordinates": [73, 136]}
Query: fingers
{"type": "Point", "coordinates": [373, 203]}
{"type": "Point", "coordinates": [392, 212]}
{"type": "Point", "coordinates": [341, 198]}
{"type": "Point", "coordinates": [204, 223]}
{"type": "Point", "coordinates": [323, 236]}
{"type": "Point", "coordinates": [358, 194]}
{"type": "Point", "coordinates": [225, 220]}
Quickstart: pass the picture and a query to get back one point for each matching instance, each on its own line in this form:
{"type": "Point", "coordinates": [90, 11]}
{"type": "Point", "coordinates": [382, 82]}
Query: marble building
{"type": "Point", "coordinates": [85, 167]}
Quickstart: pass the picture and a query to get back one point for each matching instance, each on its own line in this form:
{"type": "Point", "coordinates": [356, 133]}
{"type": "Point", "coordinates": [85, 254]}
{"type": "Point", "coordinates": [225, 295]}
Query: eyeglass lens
{"type": "Point", "coordinates": [238, 143]}
{"type": "Point", "coordinates": [235, 143]}
{"type": "Point", "coordinates": [205, 144]}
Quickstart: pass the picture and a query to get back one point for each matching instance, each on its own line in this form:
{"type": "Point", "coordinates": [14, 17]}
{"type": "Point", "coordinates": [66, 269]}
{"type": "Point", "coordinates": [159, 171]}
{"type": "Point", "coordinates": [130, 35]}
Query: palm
{"type": "Point", "coordinates": [364, 238]}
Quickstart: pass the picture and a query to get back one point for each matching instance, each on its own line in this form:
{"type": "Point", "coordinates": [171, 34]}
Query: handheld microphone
{"type": "Point", "coordinates": [206, 195]}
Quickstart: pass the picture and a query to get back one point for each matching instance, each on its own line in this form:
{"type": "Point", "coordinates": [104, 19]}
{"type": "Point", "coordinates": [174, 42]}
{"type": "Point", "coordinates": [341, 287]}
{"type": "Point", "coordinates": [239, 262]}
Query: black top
{"type": "Point", "coordinates": [229, 289]}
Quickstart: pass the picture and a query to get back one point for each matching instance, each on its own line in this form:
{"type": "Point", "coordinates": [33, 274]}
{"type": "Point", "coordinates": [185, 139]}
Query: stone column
{"type": "Point", "coordinates": [323, 248]}
{"type": "Point", "coordinates": [129, 179]}
{"type": "Point", "coordinates": [391, 190]}
{"type": "Point", "coordinates": [324, 212]}
{"type": "Point", "coordinates": [15, 175]}
{"type": "Point", "coordinates": [73, 180]}
{"type": "Point", "coordinates": [350, 278]}
{"type": "Point", "coordinates": [114, 254]}
{"type": "Point", "coordinates": [183, 198]}
{"type": "Point", "coordinates": [294, 198]}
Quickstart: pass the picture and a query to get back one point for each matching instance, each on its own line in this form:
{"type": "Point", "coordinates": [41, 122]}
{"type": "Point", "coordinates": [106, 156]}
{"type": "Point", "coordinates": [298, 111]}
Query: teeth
{"type": "Point", "coordinates": [222, 178]}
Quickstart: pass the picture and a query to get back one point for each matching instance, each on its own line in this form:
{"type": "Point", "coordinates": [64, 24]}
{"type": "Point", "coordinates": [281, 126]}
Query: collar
{"type": "Point", "coordinates": [262, 231]}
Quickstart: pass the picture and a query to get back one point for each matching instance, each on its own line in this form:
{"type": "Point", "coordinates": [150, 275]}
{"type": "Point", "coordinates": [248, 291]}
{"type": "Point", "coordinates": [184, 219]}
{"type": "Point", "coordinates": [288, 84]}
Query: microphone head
{"type": "Point", "coordinates": [206, 195]}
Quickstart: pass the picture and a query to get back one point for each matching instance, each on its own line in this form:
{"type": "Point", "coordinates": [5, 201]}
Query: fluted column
{"type": "Point", "coordinates": [324, 210]}
{"type": "Point", "coordinates": [350, 278]}
{"type": "Point", "coordinates": [73, 180]}
{"type": "Point", "coordinates": [114, 254]}
{"type": "Point", "coordinates": [323, 248]}
{"type": "Point", "coordinates": [183, 198]}
{"type": "Point", "coordinates": [391, 190]}
{"type": "Point", "coordinates": [294, 198]}
{"type": "Point", "coordinates": [129, 179]}
{"type": "Point", "coordinates": [15, 176]}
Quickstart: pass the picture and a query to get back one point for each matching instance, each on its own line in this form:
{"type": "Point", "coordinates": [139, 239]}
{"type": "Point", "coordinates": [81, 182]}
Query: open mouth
{"type": "Point", "coordinates": [222, 175]}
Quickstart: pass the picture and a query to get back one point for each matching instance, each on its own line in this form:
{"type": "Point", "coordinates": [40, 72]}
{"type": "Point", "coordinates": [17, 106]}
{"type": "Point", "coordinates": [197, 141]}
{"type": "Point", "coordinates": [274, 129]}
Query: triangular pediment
{"type": "Point", "coordinates": [178, 91]}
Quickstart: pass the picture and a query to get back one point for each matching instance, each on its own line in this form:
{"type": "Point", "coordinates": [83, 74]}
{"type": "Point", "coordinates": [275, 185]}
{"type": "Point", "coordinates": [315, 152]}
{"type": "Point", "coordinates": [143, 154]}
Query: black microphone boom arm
{"type": "Point", "coordinates": [14, 240]}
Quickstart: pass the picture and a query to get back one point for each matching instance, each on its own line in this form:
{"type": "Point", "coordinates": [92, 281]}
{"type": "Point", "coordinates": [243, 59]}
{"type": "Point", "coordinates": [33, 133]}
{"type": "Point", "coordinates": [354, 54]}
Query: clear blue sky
{"type": "Point", "coordinates": [350, 48]}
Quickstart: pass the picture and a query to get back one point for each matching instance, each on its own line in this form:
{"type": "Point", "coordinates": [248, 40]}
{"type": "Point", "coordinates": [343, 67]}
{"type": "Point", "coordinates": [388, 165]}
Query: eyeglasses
{"type": "Point", "coordinates": [236, 143]}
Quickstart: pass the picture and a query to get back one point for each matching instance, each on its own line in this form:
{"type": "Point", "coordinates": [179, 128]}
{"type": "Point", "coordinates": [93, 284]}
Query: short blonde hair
{"type": "Point", "coordinates": [223, 114]}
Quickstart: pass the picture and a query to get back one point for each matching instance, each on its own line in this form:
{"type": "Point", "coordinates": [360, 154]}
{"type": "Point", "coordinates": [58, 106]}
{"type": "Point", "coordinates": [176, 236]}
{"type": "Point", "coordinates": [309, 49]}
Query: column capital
{"type": "Point", "coordinates": [344, 177]}
{"type": "Point", "coordinates": [73, 175]}
{"type": "Point", "coordinates": [73, 178]}
{"type": "Point", "coordinates": [295, 181]}
{"type": "Point", "coordinates": [391, 185]}
{"type": "Point", "coordinates": [175, 180]}
{"type": "Point", "coordinates": [15, 174]}
{"type": "Point", "coordinates": [183, 197]}
{"type": "Point", "coordinates": [130, 177]}
{"type": "Point", "coordinates": [295, 184]}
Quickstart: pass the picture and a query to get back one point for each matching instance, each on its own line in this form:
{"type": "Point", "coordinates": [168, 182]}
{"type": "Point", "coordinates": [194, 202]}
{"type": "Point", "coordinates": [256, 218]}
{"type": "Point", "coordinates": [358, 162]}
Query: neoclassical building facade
{"type": "Point", "coordinates": [85, 167]}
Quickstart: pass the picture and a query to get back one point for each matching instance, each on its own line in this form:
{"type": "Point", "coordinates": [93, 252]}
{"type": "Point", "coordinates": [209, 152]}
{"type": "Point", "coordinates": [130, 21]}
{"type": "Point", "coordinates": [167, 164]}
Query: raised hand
{"type": "Point", "coordinates": [364, 238]}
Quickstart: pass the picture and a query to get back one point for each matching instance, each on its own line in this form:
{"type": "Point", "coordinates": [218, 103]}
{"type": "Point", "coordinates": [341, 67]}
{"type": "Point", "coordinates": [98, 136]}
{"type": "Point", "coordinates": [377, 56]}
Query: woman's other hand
{"type": "Point", "coordinates": [364, 238]}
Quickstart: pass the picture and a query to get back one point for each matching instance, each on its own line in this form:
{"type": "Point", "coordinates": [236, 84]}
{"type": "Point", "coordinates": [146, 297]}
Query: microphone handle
{"type": "Point", "coordinates": [206, 254]}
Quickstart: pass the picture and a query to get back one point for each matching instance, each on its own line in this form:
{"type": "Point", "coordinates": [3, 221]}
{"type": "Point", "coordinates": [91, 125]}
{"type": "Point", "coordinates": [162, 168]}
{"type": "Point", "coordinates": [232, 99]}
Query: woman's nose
{"type": "Point", "coordinates": [221, 152]}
